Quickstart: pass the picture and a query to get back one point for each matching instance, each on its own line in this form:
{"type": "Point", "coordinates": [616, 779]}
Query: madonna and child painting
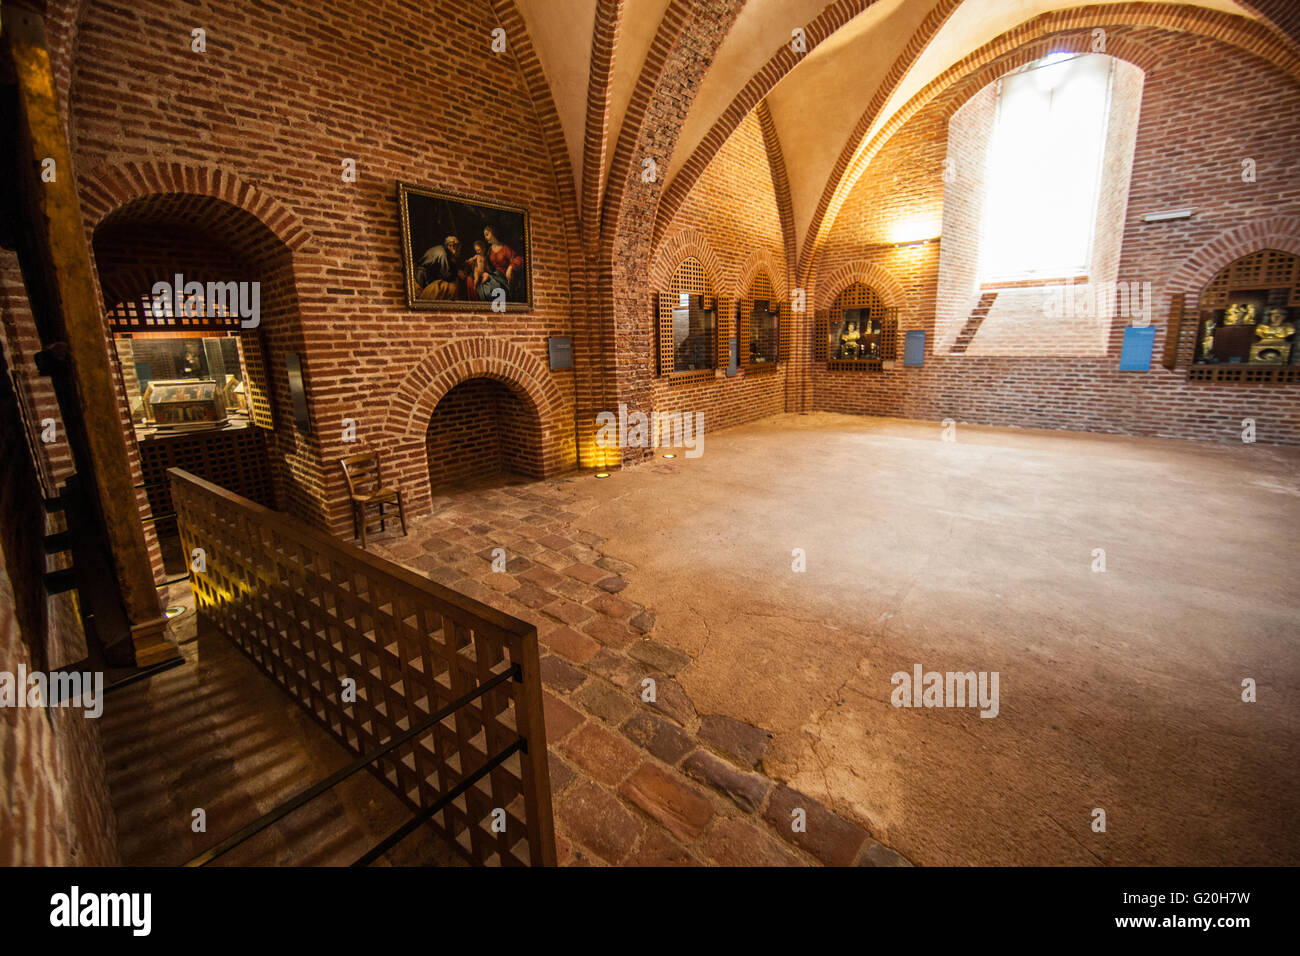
{"type": "Point", "coordinates": [462, 253]}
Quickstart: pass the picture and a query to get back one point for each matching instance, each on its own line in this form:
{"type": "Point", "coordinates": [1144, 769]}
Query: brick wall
{"type": "Point", "coordinates": [673, 71]}
{"type": "Point", "coordinates": [1205, 106]}
{"type": "Point", "coordinates": [148, 116]}
{"type": "Point", "coordinates": [54, 805]}
{"type": "Point", "coordinates": [262, 121]}
{"type": "Point", "coordinates": [730, 222]}
{"type": "Point", "coordinates": [21, 343]}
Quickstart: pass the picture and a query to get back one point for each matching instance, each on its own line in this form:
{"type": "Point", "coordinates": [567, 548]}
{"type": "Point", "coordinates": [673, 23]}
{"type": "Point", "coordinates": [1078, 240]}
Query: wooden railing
{"type": "Point", "coordinates": [372, 650]}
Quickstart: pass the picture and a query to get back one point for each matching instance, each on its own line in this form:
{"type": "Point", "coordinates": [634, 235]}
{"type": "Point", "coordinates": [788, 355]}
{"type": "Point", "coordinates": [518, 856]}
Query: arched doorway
{"type": "Point", "coordinates": [217, 337]}
{"type": "Point", "coordinates": [483, 431]}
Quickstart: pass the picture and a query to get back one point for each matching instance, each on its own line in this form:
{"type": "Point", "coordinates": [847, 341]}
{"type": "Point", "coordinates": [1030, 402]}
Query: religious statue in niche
{"type": "Point", "coordinates": [850, 342]}
{"type": "Point", "coordinates": [1273, 338]}
{"type": "Point", "coordinates": [856, 337]}
{"type": "Point", "coordinates": [1248, 329]}
{"type": "Point", "coordinates": [1239, 313]}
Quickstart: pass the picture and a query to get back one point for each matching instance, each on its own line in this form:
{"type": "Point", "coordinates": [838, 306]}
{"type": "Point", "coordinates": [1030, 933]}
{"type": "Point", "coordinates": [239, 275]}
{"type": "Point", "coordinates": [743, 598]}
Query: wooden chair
{"type": "Point", "coordinates": [366, 488]}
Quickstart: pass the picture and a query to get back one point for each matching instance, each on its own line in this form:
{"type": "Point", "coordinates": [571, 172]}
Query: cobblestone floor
{"type": "Point", "coordinates": [634, 782]}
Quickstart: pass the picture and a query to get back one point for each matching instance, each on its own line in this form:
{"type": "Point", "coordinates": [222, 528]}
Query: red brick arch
{"type": "Point", "coordinates": [1060, 29]}
{"type": "Point", "coordinates": [868, 273]}
{"type": "Point", "coordinates": [1196, 271]}
{"type": "Point", "coordinates": [683, 244]}
{"type": "Point", "coordinates": [109, 187]}
{"type": "Point", "coordinates": [760, 260]}
{"type": "Point", "coordinates": [818, 30]}
{"type": "Point", "coordinates": [423, 387]}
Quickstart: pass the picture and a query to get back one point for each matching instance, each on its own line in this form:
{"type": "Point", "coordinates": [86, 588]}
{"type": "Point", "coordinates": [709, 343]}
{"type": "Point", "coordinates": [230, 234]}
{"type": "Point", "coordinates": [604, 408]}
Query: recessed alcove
{"type": "Point", "coordinates": [1066, 235]}
{"type": "Point", "coordinates": [483, 431]}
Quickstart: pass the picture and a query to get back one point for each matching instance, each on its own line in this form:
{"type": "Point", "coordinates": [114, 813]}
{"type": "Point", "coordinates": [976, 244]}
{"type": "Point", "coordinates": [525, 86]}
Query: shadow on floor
{"type": "Point", "coordinates": [215, 734]}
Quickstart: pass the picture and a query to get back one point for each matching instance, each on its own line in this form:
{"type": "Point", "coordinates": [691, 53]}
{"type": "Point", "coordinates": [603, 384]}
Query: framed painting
{"type": "Point", "coordinates": [464, 253]}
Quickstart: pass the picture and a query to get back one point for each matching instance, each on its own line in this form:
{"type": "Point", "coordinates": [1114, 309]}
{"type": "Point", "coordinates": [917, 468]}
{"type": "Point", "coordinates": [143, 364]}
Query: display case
{"type": "Point", "coordinates": [858, 333]}
{"type": "Point", "coordinates": [764, 333]}
{"type": "Point", "coordinates": [856, 337]}
{"type": "Point", "coordinates": [181, 404]}
{"type": "Point", "coordinates": [1254, 327]}
{"type": "Point", "coordinates": [695, 330]}
{"type": "Point", "coordinates": [1248, 322]}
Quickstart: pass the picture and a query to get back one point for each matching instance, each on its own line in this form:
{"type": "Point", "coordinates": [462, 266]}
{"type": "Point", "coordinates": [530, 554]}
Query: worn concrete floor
{"type": "Point", "coordinates": [1119, 690]}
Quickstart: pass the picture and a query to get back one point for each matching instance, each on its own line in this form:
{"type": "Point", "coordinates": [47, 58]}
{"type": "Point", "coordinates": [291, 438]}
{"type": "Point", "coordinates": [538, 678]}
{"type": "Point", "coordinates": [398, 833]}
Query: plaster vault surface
{"type": "Point", "coordinates": [1118, 689]}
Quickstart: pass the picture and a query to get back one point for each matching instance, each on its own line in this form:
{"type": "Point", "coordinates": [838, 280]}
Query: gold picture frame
{"type": "Point", "coordinates": [489, 266]}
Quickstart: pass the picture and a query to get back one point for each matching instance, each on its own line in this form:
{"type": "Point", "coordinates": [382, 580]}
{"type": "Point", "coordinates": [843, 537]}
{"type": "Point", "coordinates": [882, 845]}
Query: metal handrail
{"type": "Point", "coordinates": [390, 841]}
{"type": "Point", "coordinates": [305, 796]}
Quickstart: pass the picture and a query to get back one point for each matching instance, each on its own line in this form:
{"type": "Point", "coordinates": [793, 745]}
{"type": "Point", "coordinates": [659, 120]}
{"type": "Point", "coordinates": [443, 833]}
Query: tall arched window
{"type": "Point", "coordinates": [1036, 189]}
{"type": "Point", "coordinates": [1044, 168]}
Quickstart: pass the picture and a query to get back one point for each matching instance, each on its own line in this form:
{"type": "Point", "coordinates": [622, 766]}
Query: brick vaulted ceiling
{"type": "Point", "coordinates": [866, 60]}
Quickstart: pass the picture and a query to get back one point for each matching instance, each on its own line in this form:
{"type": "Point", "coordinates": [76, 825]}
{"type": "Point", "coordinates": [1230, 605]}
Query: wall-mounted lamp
{"type": "Point", "coordinates": [914, 232]}
{"type": "Point", "coordinates": [1167, 216]}
{"type": "Point", "coordinates": [670, 456]}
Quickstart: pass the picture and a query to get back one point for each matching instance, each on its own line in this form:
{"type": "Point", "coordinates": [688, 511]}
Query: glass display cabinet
{"type": "Point", "coordinates": [1247, 322]}
{"type": "Point", "coordinates": [695, 329]}
{"type": "Point", "coordinates": [856, 337]}
{"type": "Point", "coordinates": [181, 404]}
{"type": "Point", "coordinates": [1253, 327]}
{"type": "Point", "coordinates": [764, 333]}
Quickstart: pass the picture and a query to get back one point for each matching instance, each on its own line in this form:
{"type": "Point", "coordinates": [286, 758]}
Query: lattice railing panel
{"type": "Point", "coordinates": [314, 613]}
{"type": "Point", "coordinates": [234, 459]}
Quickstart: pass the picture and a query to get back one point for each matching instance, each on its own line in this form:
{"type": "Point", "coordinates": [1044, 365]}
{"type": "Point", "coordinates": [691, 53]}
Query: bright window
{"type": "Point", "coordinates": [1044, 169]}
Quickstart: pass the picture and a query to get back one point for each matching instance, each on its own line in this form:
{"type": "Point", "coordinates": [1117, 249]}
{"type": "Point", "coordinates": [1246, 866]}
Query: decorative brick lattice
{"type": "Point", "coordinates": [312, 613]}
{"type": "Point", "coordinates": [861, 296]}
